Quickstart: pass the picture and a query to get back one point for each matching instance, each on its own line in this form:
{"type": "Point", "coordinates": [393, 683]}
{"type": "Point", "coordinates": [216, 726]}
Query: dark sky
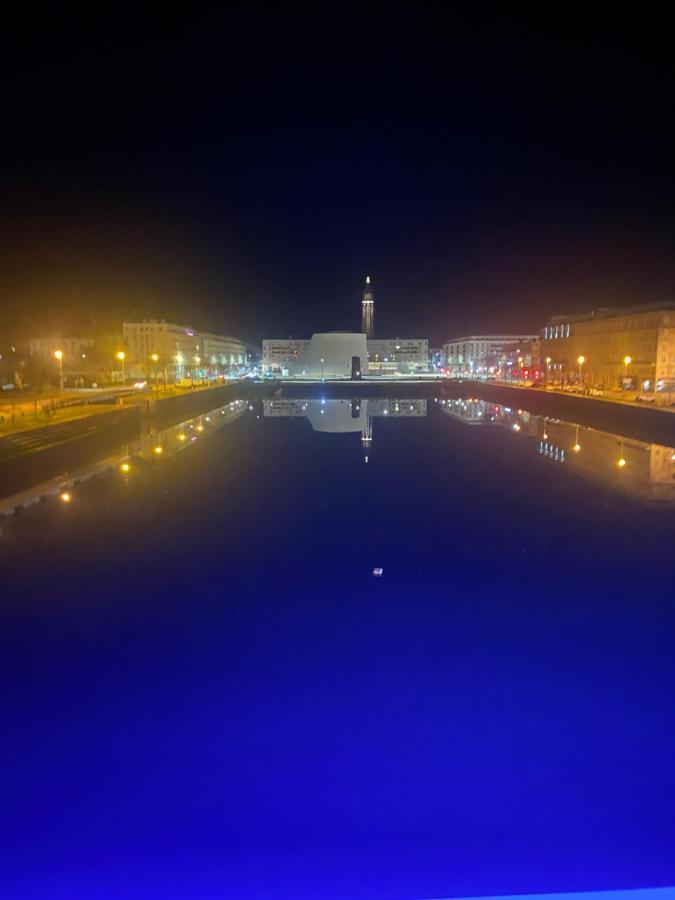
{"type": "Point", "coordinates": [242, 171]}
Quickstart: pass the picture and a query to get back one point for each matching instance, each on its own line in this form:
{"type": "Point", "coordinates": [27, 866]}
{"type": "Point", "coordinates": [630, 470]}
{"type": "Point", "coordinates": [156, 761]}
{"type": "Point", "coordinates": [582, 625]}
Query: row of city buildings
{"type": "Point", "coordinates": [631, 348]}
{"type": "Point", "coordinates": [151, 349]}
{"type": "Point", "coordinates": [612, 349]}
{"type": "Point", "coordinates": [627, 349]}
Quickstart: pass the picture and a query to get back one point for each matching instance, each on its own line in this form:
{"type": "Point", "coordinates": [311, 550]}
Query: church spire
{"type": "Point", "coordinates": [368, 310]}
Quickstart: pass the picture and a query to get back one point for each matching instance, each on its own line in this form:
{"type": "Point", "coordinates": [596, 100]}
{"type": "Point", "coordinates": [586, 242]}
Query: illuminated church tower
{"type": "Point", "coordinates": [368, 310]}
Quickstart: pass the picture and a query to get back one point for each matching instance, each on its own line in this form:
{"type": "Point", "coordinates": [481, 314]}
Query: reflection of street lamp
{"type": "Point", "coordinates": [621, 461]}
{"type": "Point", "coordinates": [155, 358]}
{"type": "Point", "coordinates": [59, 355]}
{"type": "Point", "coordinates": [121, 355]}
{"type": "Point", "coordinates": [581, 360]}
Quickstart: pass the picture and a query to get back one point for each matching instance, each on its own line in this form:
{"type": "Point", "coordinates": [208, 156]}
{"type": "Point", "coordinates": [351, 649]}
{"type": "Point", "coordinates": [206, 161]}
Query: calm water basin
{"type": "Point", "coordinates": [208, 693]}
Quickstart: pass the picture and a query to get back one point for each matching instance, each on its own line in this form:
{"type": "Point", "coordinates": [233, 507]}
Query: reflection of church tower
{"type": "Point", "coordinates": [366, 431]}
{"type": "Point", "coordinates": [368, 310]}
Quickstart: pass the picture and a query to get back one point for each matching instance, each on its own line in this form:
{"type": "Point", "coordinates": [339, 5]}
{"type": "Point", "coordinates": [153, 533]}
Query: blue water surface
{"type": "Point", "coordinates": [207, 692]}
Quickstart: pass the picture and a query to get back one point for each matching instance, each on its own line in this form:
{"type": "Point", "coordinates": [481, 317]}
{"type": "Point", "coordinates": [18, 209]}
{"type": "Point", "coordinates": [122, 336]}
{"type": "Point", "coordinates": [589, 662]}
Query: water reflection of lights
{"type": "Point", "coordinates": [642, 469]}
{"type": "Point", "coordinates": [155, 446]}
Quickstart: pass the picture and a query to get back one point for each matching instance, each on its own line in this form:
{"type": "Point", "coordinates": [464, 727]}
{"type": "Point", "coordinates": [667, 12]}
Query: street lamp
{"type": "Point", "coordinates": [627, 360]}
{"type": "Point", "coordinates": [581, 360]}
{"type": "Point", "coordinates": [59, 355]}
{"type": "Point", "coordinates": [322, 362]}
{"type": "Point", "coordinates": [121, 355]}
{"type": "Point", "coordinates": [548, 368]}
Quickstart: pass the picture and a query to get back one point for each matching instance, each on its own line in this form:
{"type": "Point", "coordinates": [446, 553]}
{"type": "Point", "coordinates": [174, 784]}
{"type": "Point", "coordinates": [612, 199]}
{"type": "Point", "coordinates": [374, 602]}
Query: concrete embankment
{"type": "Point", "coordinates": [49, 437]}
{"type": "Point", "coordinates": [47, 451]}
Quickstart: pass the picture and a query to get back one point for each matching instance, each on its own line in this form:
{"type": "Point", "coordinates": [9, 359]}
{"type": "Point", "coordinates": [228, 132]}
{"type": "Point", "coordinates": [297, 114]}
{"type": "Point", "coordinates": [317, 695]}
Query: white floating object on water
{"type": "Point", "coordinates": [377, 572]}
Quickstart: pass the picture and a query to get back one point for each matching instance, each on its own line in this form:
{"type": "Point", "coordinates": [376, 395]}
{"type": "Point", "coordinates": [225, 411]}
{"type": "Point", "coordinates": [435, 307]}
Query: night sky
{"type": "Point", "coordinates": [243, 171]}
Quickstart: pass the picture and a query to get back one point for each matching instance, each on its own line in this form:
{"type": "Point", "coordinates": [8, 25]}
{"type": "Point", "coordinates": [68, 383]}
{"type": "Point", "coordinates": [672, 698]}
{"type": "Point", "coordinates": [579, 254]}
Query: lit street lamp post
{"type": "Point", "coordinates": [627, 360]}
{"type": "Point", "coordinates": [121, 355]}
{"type": "Point", "coordinates": [548, 368]}
{"type": "Point", "coordinates": [59, 355]}
{"type": "Point", "coordinates": [581, 360]}
{"type": "Point", "coordinates": [322, 362]}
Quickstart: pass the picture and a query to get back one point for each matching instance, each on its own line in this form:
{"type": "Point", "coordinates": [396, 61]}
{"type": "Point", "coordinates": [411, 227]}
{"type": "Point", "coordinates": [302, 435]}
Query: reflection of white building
{"type": "Point", "coordinates": [334, 416]}
{"type": "Point", "coordinates": [402, 409]}
{"type": "Point", "coordinates": [642, 470]}
{"type": "Point", "coordinates": [340, 411]}
{"type": "Point", "coordinates": [472, 411]}
{"type": "Point", "coordinates": [345, 416]}
{"type": "Point", "coordinates": [468, 412]}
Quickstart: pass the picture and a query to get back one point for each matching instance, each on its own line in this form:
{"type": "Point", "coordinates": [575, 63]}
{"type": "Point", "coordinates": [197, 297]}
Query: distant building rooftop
{"type": "Point", "coordinates": [493, 337]}
{"type": "Point", "coordinates": [612, 312]}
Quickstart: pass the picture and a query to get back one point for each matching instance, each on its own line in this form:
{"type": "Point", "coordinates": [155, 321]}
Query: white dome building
{"type": "Point", "coordinates": [329, 355]}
